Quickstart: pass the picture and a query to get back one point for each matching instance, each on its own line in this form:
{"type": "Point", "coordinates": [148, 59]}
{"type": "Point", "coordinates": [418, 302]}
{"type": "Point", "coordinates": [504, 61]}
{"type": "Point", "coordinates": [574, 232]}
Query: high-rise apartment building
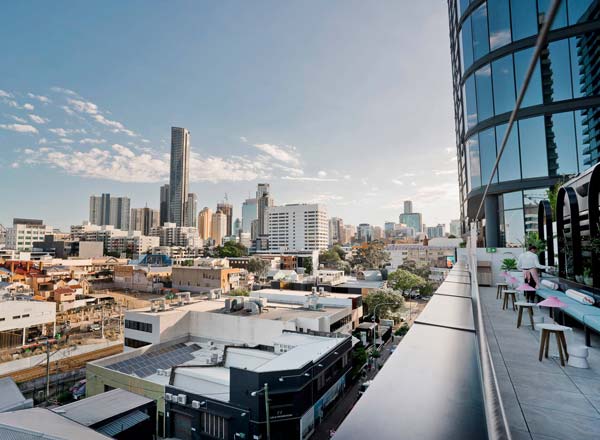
{"type": "Point", "coordinates": [336, 230]}
{"type": "Point", "coordinates": [264, 201]}
{"type": "Point", "coordinates": [144, 219]}
{"type": "Point", "coordinates": [191, 208]}
{"type": "Point", "coordinates": [164, 204]}
{"type": "Point", "coordinates": [408, 207]}
{"type": "Point", "coordinates": [249, 213]}
{"type": "Point", "coordinates": [205, 223]}
{"type": "Point", "coordinates": [436, 231]}
{"type": "Point", "coordinates": [218, 227]}
{"type": "Point", "coordinates": [172, 235]}
{"type": "Point", "coordinates": [179, 177]}
{"type": "Point", "coordinates": [492, 43]}
{"type": "Point", "coordinates": [297, 227]}
{"type": "Point", "coordinates": [227, 209]}
{"type": "Point", "coordinates": [364, 233]}
{"type": "Point", "coordinates": [237, 226]}
{"type": "Point", "coordinates": [107, 210]}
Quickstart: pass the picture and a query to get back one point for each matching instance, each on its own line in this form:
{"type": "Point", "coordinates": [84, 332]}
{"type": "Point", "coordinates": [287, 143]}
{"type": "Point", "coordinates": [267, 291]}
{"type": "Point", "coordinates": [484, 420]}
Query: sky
{"type": "Point", "coordinates": [345, 103]}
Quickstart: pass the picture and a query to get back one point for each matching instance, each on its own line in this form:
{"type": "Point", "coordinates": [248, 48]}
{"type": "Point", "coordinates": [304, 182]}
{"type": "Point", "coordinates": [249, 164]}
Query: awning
{"type": "Point", "coordinates": [122, 424]}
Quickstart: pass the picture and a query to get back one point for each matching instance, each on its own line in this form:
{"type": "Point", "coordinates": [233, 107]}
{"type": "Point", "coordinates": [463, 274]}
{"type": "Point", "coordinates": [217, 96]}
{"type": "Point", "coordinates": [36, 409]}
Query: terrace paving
{"type": "Point", "coordinates": [542, 400]}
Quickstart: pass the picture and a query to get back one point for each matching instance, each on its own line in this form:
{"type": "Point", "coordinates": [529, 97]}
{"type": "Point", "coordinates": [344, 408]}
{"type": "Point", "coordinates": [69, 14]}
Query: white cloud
{"type": "Point", "coordinates": [397, 182]}
{"type": "Point", "coordinates": [41, 98]}
{"type": "Point", "coordinates": [347, 177]}
{"type": "Point", "coordinates": [18, 119]}
{"type": "Point", "coordinates": [146, 141]}
{"type": "Point", "coordinates": [20, 128]}
{"type": "Point", "coordinates": [14, 165]}
{"type": "Point", "coordinates": [83, 106]}
{"type": "Point", "coordinates": [13, 103]}
{"type": "Point", "coordinates": [63, 90]}
{"type": "Point", "coordinates": [243, 138]}
{"type": "Point", "coordinates": [28, 106]}
{"type": "Point", "coordinates": [286, 154]}
{"type": "Point", "coordinates": [444, 172]}
{"type": "Point", "coordinates": [450, 150]}
{"type": "Point", "coordinates": [309, 179]}
{"type": "Point", "coordinates": [62, 132]}
{"type": "Point", "coordinates": [323, 198]}
{"type": "Point", "coordinates": [66, 141]}
{"type": "Point", "coordinates": [67, 110]}
{"type": "Point", "coordinates": [92, 141]}
{"type": "Point", "coordinates": [322, 173]}
{"type": "Point", "coordinates": [4, 94]}
{"type": "Point", "coordinates": [42, 141]}
{"type": "Point", "coordinates": [38, 119]}
{"type": "Point", "coordinates": [123, 151]}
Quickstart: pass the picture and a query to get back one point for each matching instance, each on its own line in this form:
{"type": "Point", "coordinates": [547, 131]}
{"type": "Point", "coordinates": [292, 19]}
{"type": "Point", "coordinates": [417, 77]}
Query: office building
{"type": "Point", "coordinates": [191, 208]}
{"type": "Point", "coordinates": [144, 219]}
{"type": "Point", "coordinates": [364, 233]}
{"type": "Point", "coordinates": [412, 220]}
{"type": "Point", "coordinates": [218, 227]}
{"type": "Point", "coordinates": [336, 230]}
{"type": "Point", "coordinates": [172, 235]}
{"type": "Point", "coordinates": [164, 204]}
{"type": "Point", "coordinates": [249, 213]}
{"type": "Point", "coordinates": [25, 232]}
{"type": "Point", "coordinates": [179, 176]}
{"type": "Point", "coordinates": [408, 207]}
{"type": "Point", "coordinates": [107, 210]}
{"type": "Point", "coordinates": [205, 223]}
{"type": "Point", "coordinates": [264, 201]}
{"type": "Point", "coordinates": [227, 209]}
{"type": "Point", "coordinates": [297, 227]}
{"type": "Point", "coordinates": [492, 43]}
{"type": "Point", "coordinates": [436, 231]}
{"type": "Point", "coordinates": [237, 226]}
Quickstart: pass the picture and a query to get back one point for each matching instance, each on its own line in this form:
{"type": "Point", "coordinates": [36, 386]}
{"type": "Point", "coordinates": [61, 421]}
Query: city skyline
{"type": "Point", "coordinates": [84, 128]}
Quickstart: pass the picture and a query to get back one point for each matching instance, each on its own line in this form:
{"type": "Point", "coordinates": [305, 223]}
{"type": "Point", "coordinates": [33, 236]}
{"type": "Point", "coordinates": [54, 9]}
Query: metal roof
{"type": "Point", "coordinates": [11, 397]}
{"type": "Point", "coordinates": [124, 423]}
{"type": "Point", "coordinates": [101, 407]}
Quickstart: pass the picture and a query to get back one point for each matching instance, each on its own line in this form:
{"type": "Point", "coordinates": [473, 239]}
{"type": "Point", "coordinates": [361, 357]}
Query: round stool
{"type": "Point", "coordinates": [578, 356]}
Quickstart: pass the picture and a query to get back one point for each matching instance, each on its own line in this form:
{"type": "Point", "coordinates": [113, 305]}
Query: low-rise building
{"type": "Point", "coordinates": [20, 316]}
{"type": "Point", "coordinates": [25, 232]}
{"type": "Point", "coordinates": [203, 279]}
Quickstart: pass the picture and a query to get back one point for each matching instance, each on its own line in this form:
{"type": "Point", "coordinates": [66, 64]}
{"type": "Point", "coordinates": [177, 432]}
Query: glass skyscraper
{"type": "Point", "coordinates": [180, 172]}
{"type": "Point", "coordinates": [557, 133]}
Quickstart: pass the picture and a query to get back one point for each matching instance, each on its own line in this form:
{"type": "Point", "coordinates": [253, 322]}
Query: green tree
{"type": "Point", "coordinates": [341, 252]}
{"type": "Point", "coordinates": [258, 267]}
{"type": "Point", "coordinates": [232, 249]}
{"type": "Point", "coordinates": [387, 302]}
{"type": "Point", "coordinates": [405, 281]}
{"type": "Point", "coordinates": [411, 266]}
{"type": "Point", "coordinates": [359, 358]}
{"type": "Point", "coordinates": [330, 259]}
{"type": "Point", "coordinates": [239, 292]}
{"type": "Point", "coordinates": [371, 256]}
{"type": "Point", "coordinates": [308, 266]}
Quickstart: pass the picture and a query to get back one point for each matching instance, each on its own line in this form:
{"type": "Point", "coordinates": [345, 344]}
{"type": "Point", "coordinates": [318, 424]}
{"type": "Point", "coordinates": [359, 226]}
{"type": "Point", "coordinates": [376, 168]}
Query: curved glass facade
{"type": "Point", "coordinates": [558, 126]}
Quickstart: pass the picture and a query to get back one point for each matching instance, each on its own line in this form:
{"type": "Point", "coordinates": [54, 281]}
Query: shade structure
{"type": "Point", "coordinates": [512, 280]}
{"type": "Point", "coordinates": [552, 301]}
{"type": "Point", "coordinates": [526, 288]}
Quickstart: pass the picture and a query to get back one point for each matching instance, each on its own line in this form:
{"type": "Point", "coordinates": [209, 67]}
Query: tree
{"type": "Point", "coordinates": [308, 266]}
{"type": "Point", "coordinates": [341, 252]}
{"type": "Point", "coordinates": [371, 256]}
{"type": "Point", "coordinates": [239, 292]}
{"type": "Point", "coordinates": [411, 266]}
{"type": "Point", "coordinates": [330, 259]}
{"type": "Point", "coordinates": [359, 358]}
{"type": "Point", "coordinates": [405, 281]}
{"type": "Point", "coordinates": [386, 301]}
{"type": "Point", "coordinates": [258, 266]}
{"type": "Point", "coordinates": [232, 249]}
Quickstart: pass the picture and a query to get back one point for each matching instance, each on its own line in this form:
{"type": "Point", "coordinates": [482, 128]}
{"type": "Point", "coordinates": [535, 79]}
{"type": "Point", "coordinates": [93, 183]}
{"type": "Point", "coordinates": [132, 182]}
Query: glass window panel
{"type": "Point", "coordinates": [512, 200]}
{"type": "Point", "coordinates": [481, 43]}
{"type": "Point", "coordinates": [576, 9]}
{"type": "Point", "coordinates": [524, 18]}
{"type": "Point", "coordinates": [473, 163]}
{"type": "Point", "coordinates": [561, 16]}
{"type": "Point", "coordinates": [471, 100]}
{"type": "Point", "coordinates": [487, 154]}
{"type": "Point", "coordinates": [499, 18]}
{"type": "Point", "coordinates": [532, 136]}
{"type": "Point", "coordinates": [485, 104]}
{"type": "Point", "coordinates": [581, 142]}
{"type": "Point", "coordinates": [514, 228]}
{"type": "Point", "coordinates": [462, 6]}
{"type": "Point", "coordinates": [531, 201]}
{"type": "Point", "coordinates": [560, 66]}
{"type": "Point", "coordinates": [504, 84]}
{"type": "Point", "coordinates": [466, 44]}
{"type": "Point", "coordinates": [563, 160]}
{"type": "Point", "coordinates": [509, 167]}
{"type": "Point", "coordinates": [575, 74]}
{"type": "Point", "coordinates": [533, 96]}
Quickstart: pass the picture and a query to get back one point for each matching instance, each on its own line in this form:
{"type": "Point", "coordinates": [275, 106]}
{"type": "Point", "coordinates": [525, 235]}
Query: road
{"type": "Point", "coordinates": [342, 407]}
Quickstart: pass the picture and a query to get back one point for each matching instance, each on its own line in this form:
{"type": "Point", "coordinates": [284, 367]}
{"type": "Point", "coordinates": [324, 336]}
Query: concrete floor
{"type": "Point", "coordinates": [542, 400]}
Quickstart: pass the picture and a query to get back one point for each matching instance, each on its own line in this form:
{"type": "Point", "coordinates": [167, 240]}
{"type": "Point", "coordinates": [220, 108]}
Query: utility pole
{"type": "Point", "coordinates": [102, 319]}
{"type": "Point", "coordinates": [47, 370]}
{"type": "Point", "coordinates": [267, 411]}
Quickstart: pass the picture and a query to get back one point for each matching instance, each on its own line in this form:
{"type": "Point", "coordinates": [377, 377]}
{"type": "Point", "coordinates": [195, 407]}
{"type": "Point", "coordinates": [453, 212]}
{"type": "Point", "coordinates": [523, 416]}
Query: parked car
{"type": "Point", "coordinates": [95, 327]}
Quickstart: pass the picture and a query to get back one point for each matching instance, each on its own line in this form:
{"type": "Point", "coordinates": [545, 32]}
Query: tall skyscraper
{"type": "Point", "coordinates": [107, 210]}
{"type": "Point", "coordinates": [226, 209]}
{"type": "Point", "coordinates": [364, 232]}
{"type": "Point", "coordinates": [144, 219]}
{"type": "Point", "coordinates": [492, 43]}
{"type": "Point", "coordinates": [180, 171]}
{"type": "Point", "coordinates": [237, 226]}
{"type": "Point", "coordinates": [191, 208]}
{"type": "Point", "coordinates": [164, 204]}
{"type": "Point", "coordinates": [264, 201]}
{"type": "Point", "coordinates": [412, 220]}
{"type": "Point", "coordinates": [205, 223]}
{"type": "Point", "coordinates": [336, 230]}
{"type": "Point", "coordinates": [408, 209]}
{"type": "Point", "coordinates": [249, 213]}
{"type": "Point", "coordinates": [218, 227]}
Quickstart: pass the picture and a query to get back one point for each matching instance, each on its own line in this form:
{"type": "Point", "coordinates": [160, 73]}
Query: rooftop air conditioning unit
{"type": "Point", "coordinates": [195, 404]}
{"type": "Point", "coordinates": [168, 397]}
{"type": "Point", "coordinates": [181, 399]}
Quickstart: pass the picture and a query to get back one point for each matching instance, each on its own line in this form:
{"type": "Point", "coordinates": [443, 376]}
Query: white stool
{"type": "Point", "coordinates": [578, 356]}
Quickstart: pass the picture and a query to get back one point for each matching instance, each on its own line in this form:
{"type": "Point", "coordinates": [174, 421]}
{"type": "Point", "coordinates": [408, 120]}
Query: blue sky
{"type": "Point", "coordinates": [348, 103]}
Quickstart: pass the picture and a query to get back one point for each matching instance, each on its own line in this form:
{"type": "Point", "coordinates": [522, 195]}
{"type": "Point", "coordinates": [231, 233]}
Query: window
{"type": "Point", "coordinates": [499, 17]}
{"type": "Point", "coordinates": [471, 102]}
{"type": "Point", "coordinates": [576, 9]}
{"type": "Point", "coordinates": [513, 228]}
{"type": "Point", "coordinates": [560, 73]}
{"type": "Point", "coordinates": [562, 145]}
{"type": "Point", "coordinates": [534, 160]}
{"type": "Point", "coordinates": [25, 316]}
{"type": "Point", "coordinates": [473, 165]}
{"type": "Point", "coordinates": [512, 200]}
{"type": "Point", "coordinates": [575, 75]}
{"type": "Point", "coordinates": [466, 41]}
{"type": "Point", "coordinates": [509, 167]}
{"type": "Point", "coordinates": [503, 78]}
{"type": "Point", "coordinates": [561, 15]}
{"type": "Point", "coordinates": [523, 18]}
{"type": "Point", "coordinates": [533, 96]}
{"type": "Point", "coordinates": [134, 343]}
{"type": "Point", "coordinates": [581, 142]}
{"type": "Point", "coordinates": [462, 6]}
{"type": "Point", "coordinates": [487, 154]}
{"type": "Point", "coordinates": [531, 201]}
{"type": "Point", "coordinates": [137, 325]}
{"type": "Point", "coordinates": [16, 317]}
{"type": "Point", "coordinates": [483, 82]}
{"type": "Point", "coordinates": [481, 43]}
{"type": "Point", "coordinates": [213, 425]}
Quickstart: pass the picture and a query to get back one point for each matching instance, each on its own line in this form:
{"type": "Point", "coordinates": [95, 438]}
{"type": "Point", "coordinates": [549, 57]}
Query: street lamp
{"type": "Point", "coordinates": [282, 378]}
{"type": "Point", "coordinates": [265, 389]}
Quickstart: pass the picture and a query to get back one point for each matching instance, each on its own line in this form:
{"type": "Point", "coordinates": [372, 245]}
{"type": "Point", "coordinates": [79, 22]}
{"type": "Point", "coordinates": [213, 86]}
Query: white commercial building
{"type": "Point", "coordinates": [172, 235]}
{"type": "Point", "coordinates": [298, 227]}
{"type": "Point", "coordinates": [21, 315]}
{"type": "Point", "coordinates": [25, 232]}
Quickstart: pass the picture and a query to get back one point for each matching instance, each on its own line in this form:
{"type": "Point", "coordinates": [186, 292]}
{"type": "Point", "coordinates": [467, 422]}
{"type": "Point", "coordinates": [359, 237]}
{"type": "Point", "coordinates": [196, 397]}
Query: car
{"type": "Point", "coordinates": [95, 327]}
